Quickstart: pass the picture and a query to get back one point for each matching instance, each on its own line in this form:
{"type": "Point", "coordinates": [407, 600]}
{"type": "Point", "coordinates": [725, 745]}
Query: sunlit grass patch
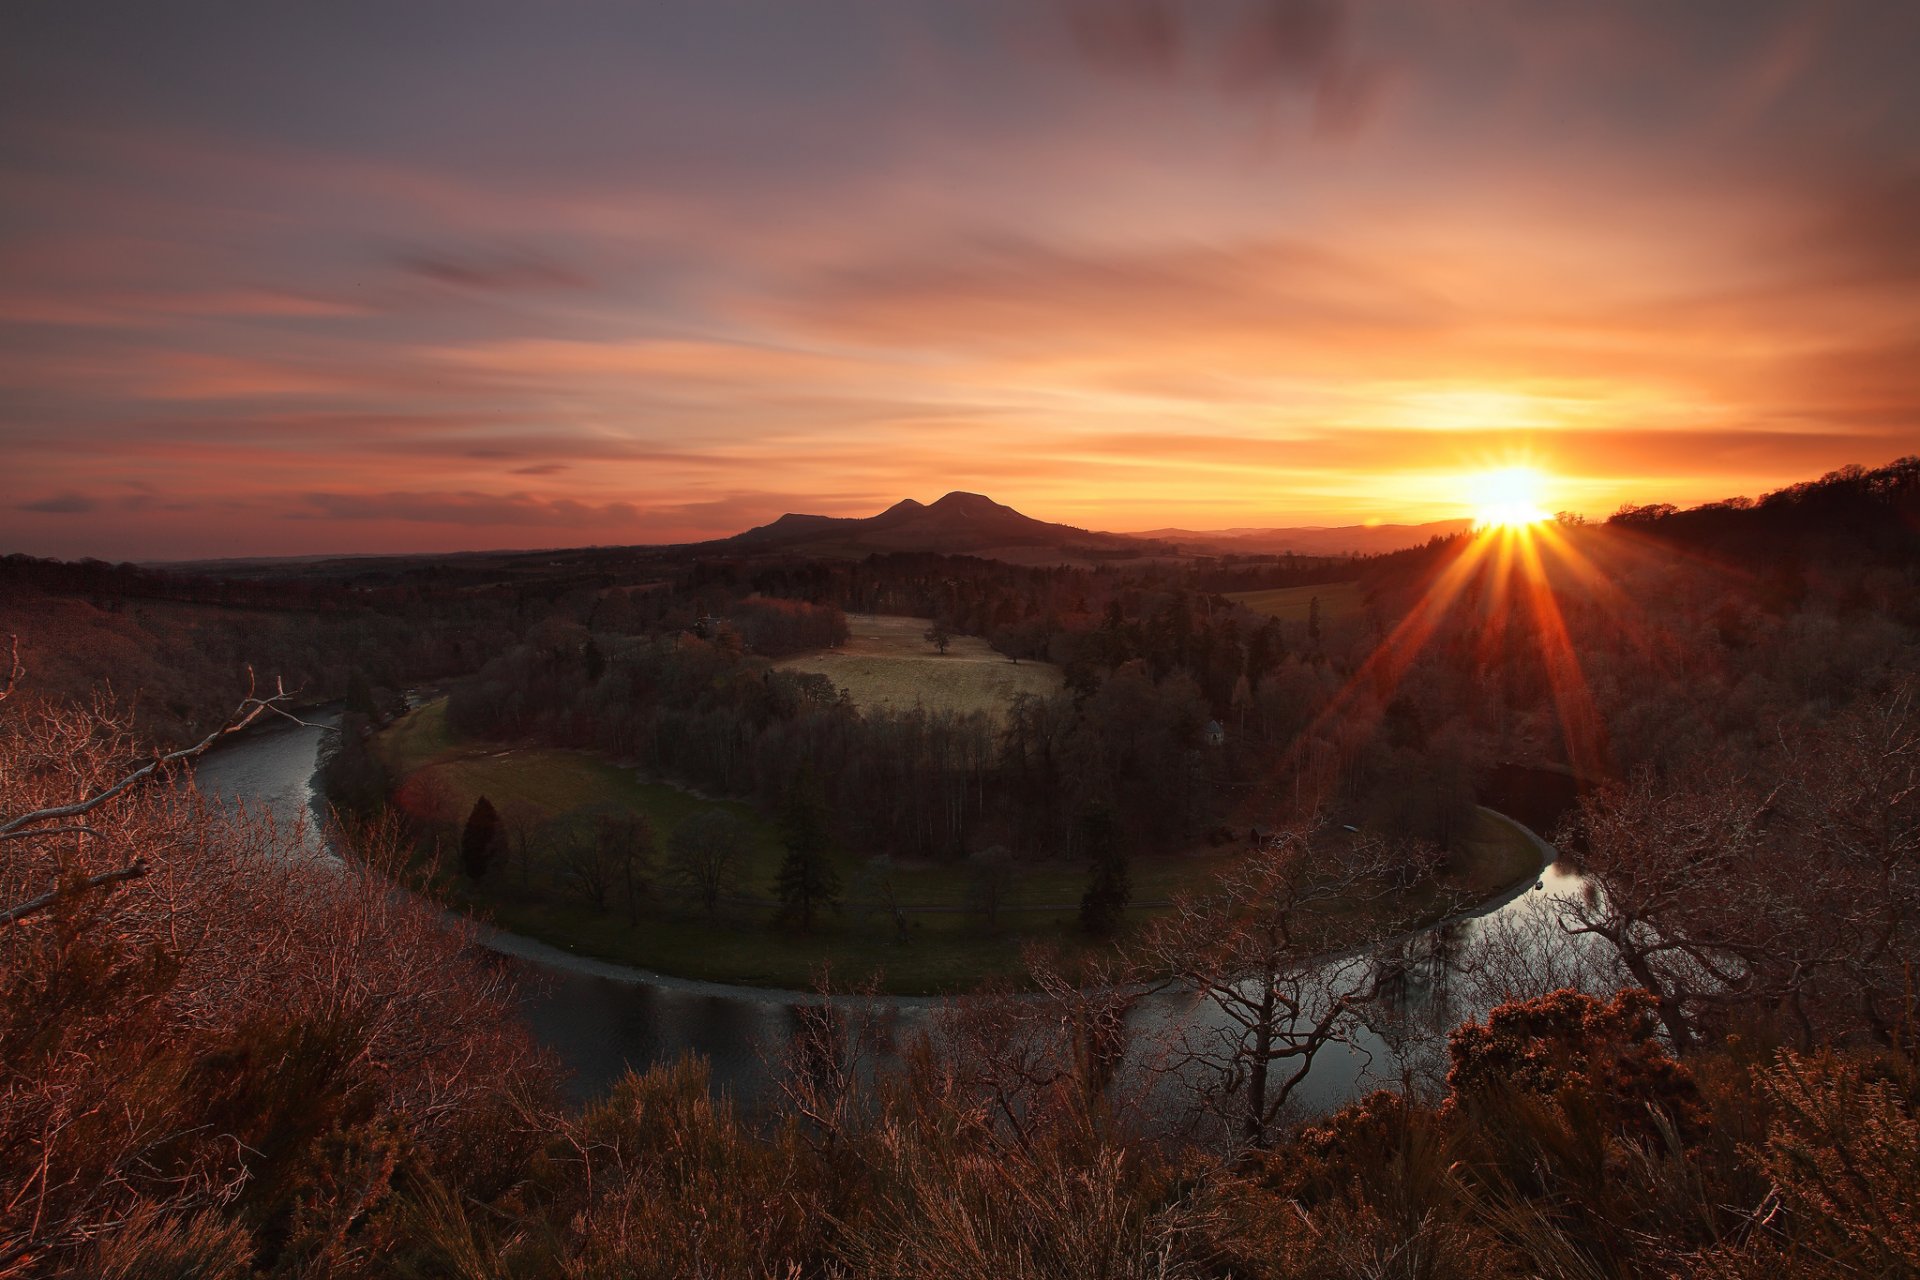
{"type": "Point", "coordinates": [1293, 604]}
{"type": "Point", "coordinates": [888, 662]}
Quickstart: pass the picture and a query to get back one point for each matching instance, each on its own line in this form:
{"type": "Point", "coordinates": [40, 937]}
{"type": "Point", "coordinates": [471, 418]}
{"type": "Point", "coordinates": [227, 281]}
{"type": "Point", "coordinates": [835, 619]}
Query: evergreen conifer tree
{"type": "Point", "coordinates": [807, 883]}
{"type": "Point", "coordinates": [1109, 886]}
{"type": "Point", "coordinates": [478, 840]}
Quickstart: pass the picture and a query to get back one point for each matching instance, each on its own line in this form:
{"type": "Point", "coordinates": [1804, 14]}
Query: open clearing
{"type": "Point", "coordinates": [1290, 604]}
{"type": "Point", "coordinates": [887, 662]}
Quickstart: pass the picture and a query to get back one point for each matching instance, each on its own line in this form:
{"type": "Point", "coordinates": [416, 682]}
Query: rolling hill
{"type": "Point", "coordinates": [973, 524]}
{"type": "Point", "coordinates": [1341, 540]}
{"type": "Point", "coordinates": [957, 524]}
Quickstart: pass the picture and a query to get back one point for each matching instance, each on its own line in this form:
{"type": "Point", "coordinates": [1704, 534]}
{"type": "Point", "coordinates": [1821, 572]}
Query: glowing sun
{"type": "Point", "coordinates": [1508, 498]}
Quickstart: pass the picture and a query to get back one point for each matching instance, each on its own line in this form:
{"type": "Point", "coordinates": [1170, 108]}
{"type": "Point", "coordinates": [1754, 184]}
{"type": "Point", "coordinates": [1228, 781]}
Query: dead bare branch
{"type": "Point", "coordinates": [14, 669]}
{"type": "Point", "coordinates": [251, 708]}
{"type": "Point", "coordinates": [1282, 958]}
{"type": "Point", "coordinates": [73, 829]}
{"type": "Point", "coordinates": [133, 871]}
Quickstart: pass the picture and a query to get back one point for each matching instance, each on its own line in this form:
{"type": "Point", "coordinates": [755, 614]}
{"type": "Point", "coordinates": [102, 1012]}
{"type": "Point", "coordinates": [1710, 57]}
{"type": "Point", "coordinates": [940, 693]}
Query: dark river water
{"type": "Point", "coordinates": [600, 1019]}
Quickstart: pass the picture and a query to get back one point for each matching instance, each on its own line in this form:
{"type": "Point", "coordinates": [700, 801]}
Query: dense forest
{"type": "Point", "coordinates": [214, 1062]}
{"type": "Point", "coordinates": [1147, 663]}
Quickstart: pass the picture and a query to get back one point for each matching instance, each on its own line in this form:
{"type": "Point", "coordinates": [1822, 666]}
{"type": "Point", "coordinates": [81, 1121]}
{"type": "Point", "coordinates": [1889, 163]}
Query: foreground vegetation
{"type": "Point", "coordinates": [216, 1065]}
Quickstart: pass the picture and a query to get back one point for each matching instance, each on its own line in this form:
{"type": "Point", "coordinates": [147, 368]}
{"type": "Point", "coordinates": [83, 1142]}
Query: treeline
{"type": "Point", "coordinates": [1853, 513]}
{"type": "Point", "coordinates": [913, 783]}
{"type": "Point", "coordinates": [1603, 650]}
{"type": "Point", "coordinates": [978, 594]}
{"type": "Point", "coordinates": [1265, 572]}
{"type": "Point", "coordinates": [181, 667]}
{"type": "Point", "coordinates": [1177, 611]}
{"type": "Point", "coordinates": [126, 581]}
{"type": "Point", "coordinates": [778, 628]}
{"type": "Point", "coordinates": [404, 620]}
{"type": "Point", "coordinates": [1088, 622]}
{"type": "Point", "coordinates": [1128, 740]}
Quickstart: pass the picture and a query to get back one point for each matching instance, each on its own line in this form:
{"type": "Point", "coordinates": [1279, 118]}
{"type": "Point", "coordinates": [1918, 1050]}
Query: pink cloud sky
{"type": "Point", "coordinates": [427, 277]}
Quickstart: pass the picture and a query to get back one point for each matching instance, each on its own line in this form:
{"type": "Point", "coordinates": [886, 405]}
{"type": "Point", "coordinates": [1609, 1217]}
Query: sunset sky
{"type": "Point", "coordinates": [345, 278]}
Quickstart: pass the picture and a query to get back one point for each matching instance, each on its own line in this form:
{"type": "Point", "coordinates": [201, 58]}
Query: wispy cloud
{"type": "Point", "coordinates": [504, 268]}
{"type": "Point", "coordinates": [510, 509]}
{"type": "Point", "coordinates": [63, 504]}
{"type": "Point", "coordinates": [1124, 262]}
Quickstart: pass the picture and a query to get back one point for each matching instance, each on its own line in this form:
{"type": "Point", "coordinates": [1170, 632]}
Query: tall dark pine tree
{"type": "Point", "coordinates": [360, 698]}
{"type": "Point", "coordinates": [352, 777]}
{"type": "Point", "coordinates": [478, 840]}
{"type": "Point", "coordinates": [806, 883]}
{"type": "Point", "coordinates": [1109, 886]}
{"type": "Point", "coordinates": [1264, 651]}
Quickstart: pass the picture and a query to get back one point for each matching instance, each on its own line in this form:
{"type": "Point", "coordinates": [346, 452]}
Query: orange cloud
{"type": "Point", "coordinates": [1231, 262]}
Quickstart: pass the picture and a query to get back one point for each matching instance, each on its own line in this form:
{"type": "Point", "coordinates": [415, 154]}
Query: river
{"type": "Point", "coordinates": [599, 1019]}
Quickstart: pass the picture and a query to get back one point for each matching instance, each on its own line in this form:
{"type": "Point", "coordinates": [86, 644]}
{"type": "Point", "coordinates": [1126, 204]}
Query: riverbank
{"type": "Point", "coordinates": [602, 1017]}
{"type": "Point", "coordinates": [906, 929]}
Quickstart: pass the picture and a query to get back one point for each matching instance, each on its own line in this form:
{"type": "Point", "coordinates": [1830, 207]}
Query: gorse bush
{"type": "Point", "coordinates": [199, 1017]}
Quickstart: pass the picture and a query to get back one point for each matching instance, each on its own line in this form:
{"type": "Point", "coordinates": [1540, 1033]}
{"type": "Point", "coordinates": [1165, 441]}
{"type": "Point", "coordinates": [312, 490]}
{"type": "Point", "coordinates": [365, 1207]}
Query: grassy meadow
{"type": "Point", "coordinates": [1291, 604]}
{"type": "Point", "coordinates": [887, 662]}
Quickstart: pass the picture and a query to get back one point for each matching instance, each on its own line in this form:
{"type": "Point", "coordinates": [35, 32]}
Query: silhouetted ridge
{"type": "Point", "coordinates": [792, 524]}
{"type": "Point", "coordinates": [972, 504]}
{"type": "Point", "coordinates": [958, 522]}
{"type": "Point", "coordinates": [905, 509]}
{"type": "Point", "coordinates": [1851, 515]}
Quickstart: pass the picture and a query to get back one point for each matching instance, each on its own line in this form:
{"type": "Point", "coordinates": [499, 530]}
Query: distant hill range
{"type": "Point", "coordinates": [958, 524]}
{"type": "Point", "coordinates": [1312, 540]}
{"type": "Point", "coordinates": [973, 524]}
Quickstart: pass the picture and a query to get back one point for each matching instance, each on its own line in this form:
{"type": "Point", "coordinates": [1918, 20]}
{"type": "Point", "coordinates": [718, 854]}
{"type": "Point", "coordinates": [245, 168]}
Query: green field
{"type": "Point", "coordinates": [887, 662]}
{"type": "Point", "coordinates": [1290, 604]}
{"type": "Point", "coordinates": [947, 948]}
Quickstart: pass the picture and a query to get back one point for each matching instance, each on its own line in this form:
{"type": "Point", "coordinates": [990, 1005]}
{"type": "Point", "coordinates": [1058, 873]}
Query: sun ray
{"type": "Point", "coordinates": [1619, 608]}
{"type": "Point", "coordinates": [1500, 597]}
{"type": "Point", "coordinates": [1580, 725]}
{"type": "Point", "coordinates": [1384, 668]}
{"type": "Point", "coordinates": [1498, 600]}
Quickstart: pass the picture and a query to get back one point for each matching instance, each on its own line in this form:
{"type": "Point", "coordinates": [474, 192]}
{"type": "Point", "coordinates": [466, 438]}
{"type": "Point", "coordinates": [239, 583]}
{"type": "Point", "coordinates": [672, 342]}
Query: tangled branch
{"type": "Point", "coordinates": [36, 823]}
{"type": "Point", "coordinates": [132, 871]}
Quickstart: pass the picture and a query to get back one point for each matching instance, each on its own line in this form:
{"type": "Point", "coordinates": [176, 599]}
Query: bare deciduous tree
{"type": "Point", "coordinates": [1028, 1064]}
{"type": "Point", "coordinates": [706, 854]}
{"type": "Point", "coordinates": [1681, 895]}
{"type": "Point", "coordinates": [989, 882]}
{"type": "Point", "coordinates": [603, 853]}
{"type": "Point", "coordinates": [1854, 794]}
{"type": "Point", "coordinates": [832, 1051]}
{"type": "Point", "coordinates": [1278, 958]}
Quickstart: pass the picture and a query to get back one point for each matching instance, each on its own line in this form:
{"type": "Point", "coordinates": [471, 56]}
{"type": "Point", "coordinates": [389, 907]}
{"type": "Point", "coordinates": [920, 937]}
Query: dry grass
{"type": "Point", "coordinates": [887, 662]}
